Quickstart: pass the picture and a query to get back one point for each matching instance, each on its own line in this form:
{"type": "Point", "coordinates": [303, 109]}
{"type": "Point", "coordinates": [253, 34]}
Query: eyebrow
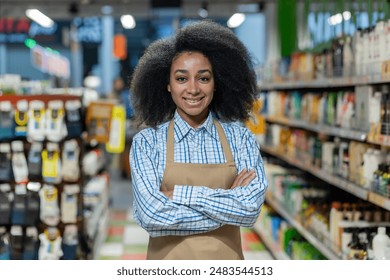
{"type": "Point", "coordinates": [199, 72]}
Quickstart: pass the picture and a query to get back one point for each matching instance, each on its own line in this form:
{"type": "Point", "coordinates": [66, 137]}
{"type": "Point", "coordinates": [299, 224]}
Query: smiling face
{"type": "Point", "coordinates": [191, 84]}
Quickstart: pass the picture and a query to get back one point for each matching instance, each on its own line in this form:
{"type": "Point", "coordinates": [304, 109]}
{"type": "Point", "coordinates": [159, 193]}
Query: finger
{"type": "Point", "coordinates": [238, 179]}
{"type": "Point", "coordinates": [249, 178]}
{"type": "Point", "coordinates": [241, 176]}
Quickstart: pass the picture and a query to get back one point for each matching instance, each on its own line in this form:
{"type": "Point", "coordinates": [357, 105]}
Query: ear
{"type": "Point", "coordinates": [169, 88]}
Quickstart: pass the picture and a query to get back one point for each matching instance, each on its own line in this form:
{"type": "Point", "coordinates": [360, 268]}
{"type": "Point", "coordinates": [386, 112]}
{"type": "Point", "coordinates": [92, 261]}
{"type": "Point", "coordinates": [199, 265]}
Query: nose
{"type": "Point", "coordinates": [193, 87]}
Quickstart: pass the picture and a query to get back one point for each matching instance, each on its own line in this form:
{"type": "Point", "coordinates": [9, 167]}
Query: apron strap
{"type": "Point", "coordinates": [170, 141]}
{"type": "Point", "coordinates": [222, 138]}
{"type": "Point", "coordinates": [224, 142]}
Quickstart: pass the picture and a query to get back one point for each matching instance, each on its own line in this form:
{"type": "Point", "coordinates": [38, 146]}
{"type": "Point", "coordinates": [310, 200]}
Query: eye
{"type": "Point", "coordinates": [204, 79]}
{"type": "Point", "coordinates": [181, 79]}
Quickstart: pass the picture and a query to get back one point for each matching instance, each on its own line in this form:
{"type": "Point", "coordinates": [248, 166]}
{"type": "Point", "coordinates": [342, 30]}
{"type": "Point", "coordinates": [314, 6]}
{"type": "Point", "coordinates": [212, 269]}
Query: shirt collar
{"type": "Point", "coordinates": [182, 128]}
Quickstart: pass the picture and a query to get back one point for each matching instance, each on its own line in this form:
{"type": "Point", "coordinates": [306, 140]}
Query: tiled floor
{"type": "Point", "coordinates": [126, 240]}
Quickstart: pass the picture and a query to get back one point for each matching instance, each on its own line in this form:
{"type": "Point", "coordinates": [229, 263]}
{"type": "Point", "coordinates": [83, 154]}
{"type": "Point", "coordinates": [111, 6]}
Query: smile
{"type": "Point", "coordinates": [192, 100]}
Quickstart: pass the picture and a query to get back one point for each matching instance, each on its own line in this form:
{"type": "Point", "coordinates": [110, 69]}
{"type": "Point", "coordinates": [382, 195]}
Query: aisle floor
{"type": "Point", "coordinates": [126, 240]}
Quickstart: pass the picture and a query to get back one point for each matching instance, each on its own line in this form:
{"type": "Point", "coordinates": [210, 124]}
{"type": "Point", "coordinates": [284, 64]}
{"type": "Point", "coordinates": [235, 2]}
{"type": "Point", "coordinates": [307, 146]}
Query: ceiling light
{"type": "Point", "coordinates": [203, 10]}
{"type": "Point", "coordinates": [40, 18]}
{"type": "Point", "coordinates": [128, 21]}
{"type": "Point", "coordinates": [236, 20]}
{"type": "Point", "coordinates": [347, 15]}
{"type": "Point", "coordinates": [203, 13]}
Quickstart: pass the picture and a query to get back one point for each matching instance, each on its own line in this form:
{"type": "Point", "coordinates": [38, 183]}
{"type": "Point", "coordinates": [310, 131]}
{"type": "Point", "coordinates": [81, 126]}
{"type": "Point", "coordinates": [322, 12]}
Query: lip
{"type": "Point", "coordinates": [193, 101]}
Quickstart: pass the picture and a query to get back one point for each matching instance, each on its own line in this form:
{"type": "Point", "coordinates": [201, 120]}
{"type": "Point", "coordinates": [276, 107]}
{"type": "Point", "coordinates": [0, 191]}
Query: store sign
{"type": "Point", "coordinates": [89, 30]}
{"type": "Point", "coordinates": [44, 34]}
{"type": "Point", "coordinates": [14, 30]}
{"type": "Point", "coordinates": [50, 62]}
{"type": "Point", "coordinates": [17, 30]}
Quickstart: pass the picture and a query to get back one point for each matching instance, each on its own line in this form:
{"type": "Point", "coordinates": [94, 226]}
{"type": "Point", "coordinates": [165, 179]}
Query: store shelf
{"type": "Point", "coordinates": [379, 200]}
{"type": "Point", "coordinates": [323, 175]}
{"type": "Point", "coordinates": [323, 83]}
{"type": "Point", "coordinates": [41, 97]}
{"type": "Point", "coordinates": [320, 128]}
{"type": "Point", "coordinates": [384, 140]}
{"type": "Point", "coordinates": [341, 183]}
{"type": "Point", "coordinates": [273, 247]}
{"type": "Point", "coordinates": [101, 234]}
{"type": "Point", "coordinates": [95, 217]}
{"type": "Point", "coordinates": [303, 231]}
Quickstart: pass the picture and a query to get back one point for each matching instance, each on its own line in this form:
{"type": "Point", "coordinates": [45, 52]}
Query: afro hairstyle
{"type": "Point", "coordinates": [234, 75]}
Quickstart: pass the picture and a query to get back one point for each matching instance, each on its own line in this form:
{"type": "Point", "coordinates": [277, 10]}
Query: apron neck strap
{"type": "Point", "coordinates": [222, 138]}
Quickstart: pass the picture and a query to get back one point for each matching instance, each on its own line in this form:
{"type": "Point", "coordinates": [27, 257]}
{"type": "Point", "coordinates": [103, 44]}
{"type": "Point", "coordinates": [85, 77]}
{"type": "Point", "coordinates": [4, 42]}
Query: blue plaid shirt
{"type": "Point", "coordinates": [194, 209]}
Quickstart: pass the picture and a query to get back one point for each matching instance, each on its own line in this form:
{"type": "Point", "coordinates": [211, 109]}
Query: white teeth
{"type": "Point", "coordinates": [192, 101]}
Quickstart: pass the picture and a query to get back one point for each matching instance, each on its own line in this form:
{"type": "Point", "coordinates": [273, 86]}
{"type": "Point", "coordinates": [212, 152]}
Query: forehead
{"type": "Point", "coordinates": [189, 58]}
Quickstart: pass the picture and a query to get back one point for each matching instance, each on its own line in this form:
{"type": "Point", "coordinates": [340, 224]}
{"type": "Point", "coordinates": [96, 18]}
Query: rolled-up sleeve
{"type": "Point", "coordinates": [152, 209]}
{"type": "Point", "coordinates": [239, 206]}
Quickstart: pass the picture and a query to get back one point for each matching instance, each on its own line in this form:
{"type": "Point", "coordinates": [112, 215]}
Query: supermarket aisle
{"type": "Point", "coordinates": [126, 240]}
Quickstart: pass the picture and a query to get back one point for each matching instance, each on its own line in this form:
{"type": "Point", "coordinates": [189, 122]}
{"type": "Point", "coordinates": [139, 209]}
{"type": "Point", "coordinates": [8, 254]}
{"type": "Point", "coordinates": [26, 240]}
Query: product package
{"type": "Point", "coordinates": [19, 162]}
{"type": "Point", "coordinates": [73, 118]}
{"type": "Point", "coordinates": [30, 244]}
{"type": "Point", "coordinates": [19, 206]}
{"type": "Point", "coordinates": [70, 161]}
{"type": "Point", "coordinates": [70, 242]}
{"type": "Point", "coordinates": [6, 120]}
{"type": "Point", "coordinates": [6, 197]}
{"type": "Point", "coordinates": [55, 129]}
{"type": "Point", "coordinates": [35, 161]}
{"type": "Point", "coordinates": [36, 121]}
{"type": "Point", "coordinates": [50, 244]}
{"type": "Point", "coordinates": [98, 121]}
{"type": "Point", "coordinates": [50, 211]}
{"type": "Point", "coordinates": [5, 249]}
{"type": "Point", "coordinates": [32, 203]}
{"type": "Point", "coordinates": [51, 163]}
{"type": "Point", "coordinates": [69, 203]}
{"type": "Point", "coordinates": [5, 162]}
{"type": "Point", "coordinates": [21, 118]}
{"type": "Point", "coordinates": [16, 242]}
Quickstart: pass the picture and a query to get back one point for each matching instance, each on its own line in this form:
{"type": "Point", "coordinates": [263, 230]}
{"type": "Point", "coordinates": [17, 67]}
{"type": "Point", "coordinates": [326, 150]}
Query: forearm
{"type": "Point", "coordinates": [240, 206]}
{"type": "Point", "coordinates": [160, 216]}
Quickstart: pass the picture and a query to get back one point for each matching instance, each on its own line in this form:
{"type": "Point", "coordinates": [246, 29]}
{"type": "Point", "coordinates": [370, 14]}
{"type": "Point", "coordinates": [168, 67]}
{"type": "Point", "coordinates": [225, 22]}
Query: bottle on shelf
{"type": "Point", "coordinates": [385, 111]}
{"type": "Point", "coordinates": [357, 246]}
{"type": "Point", "coordinates": [380, 243]}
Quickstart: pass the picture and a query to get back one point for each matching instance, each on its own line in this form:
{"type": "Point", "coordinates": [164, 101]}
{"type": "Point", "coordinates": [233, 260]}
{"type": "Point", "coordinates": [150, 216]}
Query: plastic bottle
{"type": "Point", "coordinates": [357, 247]}
{"type": "Point", "coordinates": [347, 57]}
{"type": "Point", "coordinates": [380, 243]}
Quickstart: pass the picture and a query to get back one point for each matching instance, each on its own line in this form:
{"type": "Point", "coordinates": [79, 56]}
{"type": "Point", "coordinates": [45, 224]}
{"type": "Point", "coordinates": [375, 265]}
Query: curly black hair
{"type": "Point", "coordinates": [234, 75]}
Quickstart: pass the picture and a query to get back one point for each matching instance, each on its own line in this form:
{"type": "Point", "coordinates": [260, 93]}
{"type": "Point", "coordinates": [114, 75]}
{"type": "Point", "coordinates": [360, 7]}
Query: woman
{"type": "Point", "coordinates": [197, 174]}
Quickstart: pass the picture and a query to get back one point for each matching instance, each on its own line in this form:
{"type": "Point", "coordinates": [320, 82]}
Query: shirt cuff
{"type": "Point", "coordinates": [186, 195]}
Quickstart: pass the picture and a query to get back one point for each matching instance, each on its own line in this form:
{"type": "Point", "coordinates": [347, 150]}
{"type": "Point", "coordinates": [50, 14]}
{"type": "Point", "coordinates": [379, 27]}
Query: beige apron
{"type": "Point", "coordinates": [219, 244]}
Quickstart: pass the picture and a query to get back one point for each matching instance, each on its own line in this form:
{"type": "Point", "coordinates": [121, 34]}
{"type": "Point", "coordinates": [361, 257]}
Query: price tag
{"type": "Point", "coordinates": [378, 200]}
{"type": "Point", "coordinates": [386, 69]}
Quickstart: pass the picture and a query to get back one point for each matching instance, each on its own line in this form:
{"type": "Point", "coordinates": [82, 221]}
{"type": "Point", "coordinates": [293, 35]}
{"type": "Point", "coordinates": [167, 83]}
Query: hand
{"type": "Point", "coordinates": [168, 193]}
{"type": "Point", "coordinates": [244, 178]}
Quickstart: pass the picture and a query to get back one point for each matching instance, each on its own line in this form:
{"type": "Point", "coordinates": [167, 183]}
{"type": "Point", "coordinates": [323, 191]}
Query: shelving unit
{"type": "Point", "coordinates": [339, 182]}
{"type": "Point", "coordinates": [338, 82]}
{"type": "Point", "coordinates": [93, 231]}
{"type": "Point", "coordinates": [325, 129]}
{"type": "Point", "coordinates": [303, 231]}
{"type": "Point", "coordinates": [55, 187]}
{"type": "Point", "coordinates": [274, 248]}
